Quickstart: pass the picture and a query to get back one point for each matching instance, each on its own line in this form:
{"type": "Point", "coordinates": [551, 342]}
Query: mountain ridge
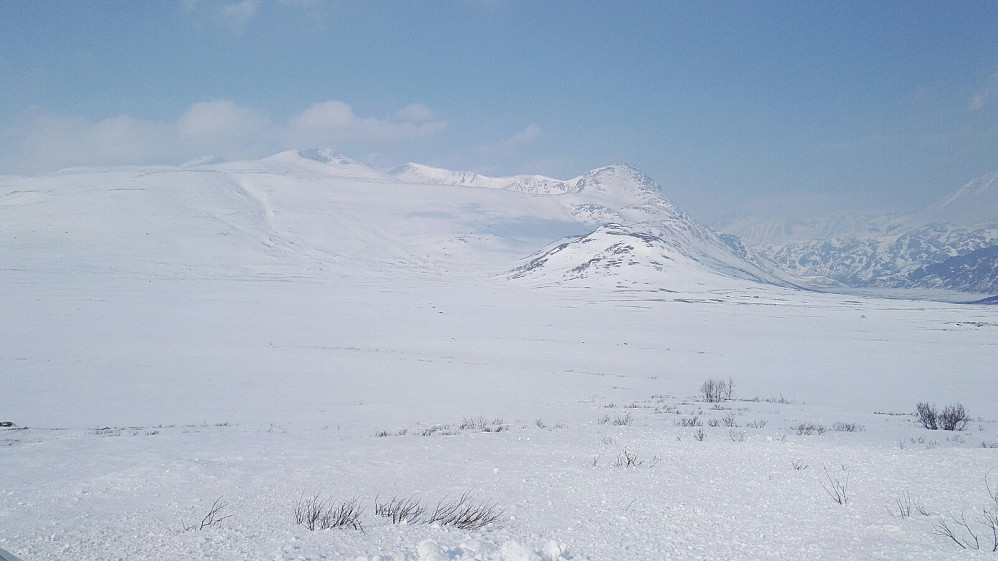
{"type": "Point", "coordinates": [314, 213]}
{"type": "Point", "coordinates": [928, 248]}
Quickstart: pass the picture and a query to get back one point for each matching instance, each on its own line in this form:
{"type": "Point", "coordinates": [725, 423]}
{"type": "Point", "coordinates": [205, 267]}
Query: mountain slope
{"type": "Point", "coordinates": [649, 255]}
{"type": "Point", "coordinates": [316, 213]}
{"type": "Point", "coordinates": [947, 245]}
{"type": "Point", "coordinates": [976, 271]}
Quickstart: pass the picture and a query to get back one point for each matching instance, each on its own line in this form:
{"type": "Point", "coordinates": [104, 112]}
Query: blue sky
{"type": "Point", "coordinates": [791, 107]}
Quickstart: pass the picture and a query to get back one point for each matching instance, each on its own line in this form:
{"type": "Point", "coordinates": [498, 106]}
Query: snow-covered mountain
{"type": "Point", "coordinates": [642, 255]}
{"type": "Point", "coordinates": [315, 213]}
{"type": "Point", "coordinates": [974, 204]}
{"type": "Point", "coordinates": [951, 244]}
{"type": "Point", "coordinates": [641, 238]}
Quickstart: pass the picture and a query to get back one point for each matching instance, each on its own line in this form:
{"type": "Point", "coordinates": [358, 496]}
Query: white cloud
{"type": "Point", "coordinates": [221, 119]}
{"type": "Point", "coordinates": [331, 122]}
{"type": "Point", "coordinates": [987, 95]}
{"type": "Point", "coordinates": [328, 116]}
{"type": "Point", "coordinates": [234, 15]}
{"type": "Point", "coordinates": [237, 15]}
{"type": "Point", "coordinates": [41, 142]}
{"type": "Point", "coordinates": [526, 136]}
{"type": "Point", "coordinates": [415, 113]}
{"type": "Point", "coordinates": [44, 142]}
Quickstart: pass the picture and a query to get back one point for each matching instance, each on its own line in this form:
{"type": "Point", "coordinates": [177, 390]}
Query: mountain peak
{"type": "Point", "coordinates": [616, 180]}
{"type": "Point", "coordinates": [973, 204]}
{"type": "Point", "coordinates": [325, 156]}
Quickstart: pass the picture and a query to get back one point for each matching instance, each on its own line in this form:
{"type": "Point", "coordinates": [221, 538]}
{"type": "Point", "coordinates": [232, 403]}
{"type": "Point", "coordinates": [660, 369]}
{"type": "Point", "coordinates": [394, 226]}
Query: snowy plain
{"type": "Point", "coordinates": [266, 331]}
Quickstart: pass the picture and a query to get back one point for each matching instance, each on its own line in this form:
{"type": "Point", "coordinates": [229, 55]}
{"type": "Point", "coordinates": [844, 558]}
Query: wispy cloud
{"type": "Point", "coordinates": [331, 122]}
{"type": "Point", "coordinates": [235, 16]}
{"type": "Point", "coordinates": [986, 95]}
{"type": "Point", "coordinates": [415, 113]}
{"type": "Point", "coordinates": [524, 137]}
{"type": "Point", "coordinates": [41, 141]}
{"type": "Point", "coordinates": [238, 15]}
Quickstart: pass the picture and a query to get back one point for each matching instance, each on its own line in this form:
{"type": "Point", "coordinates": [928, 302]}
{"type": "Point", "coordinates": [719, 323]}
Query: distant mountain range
{"type": "Point", "coordinates": [952, 244]}
{"type": "Point", "coordinates": [315, 213]}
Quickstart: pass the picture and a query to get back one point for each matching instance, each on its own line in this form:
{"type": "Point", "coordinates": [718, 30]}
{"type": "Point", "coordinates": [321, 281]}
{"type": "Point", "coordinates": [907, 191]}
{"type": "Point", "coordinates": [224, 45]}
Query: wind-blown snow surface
{"type": "Point", "coordinates": [294, 332]}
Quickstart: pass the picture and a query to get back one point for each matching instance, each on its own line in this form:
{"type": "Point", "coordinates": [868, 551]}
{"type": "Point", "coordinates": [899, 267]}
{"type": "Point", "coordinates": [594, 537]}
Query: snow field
{"type": "Point", "coordinates": [259, 332]}
{"type": "Point", "coordinates": [128, 492]}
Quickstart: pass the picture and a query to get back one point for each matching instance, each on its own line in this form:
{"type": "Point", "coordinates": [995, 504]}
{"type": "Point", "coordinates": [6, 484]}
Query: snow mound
{"type": "Point", "coordinates": [202, 161]}
{"type": "Point", "coordinates": [475, 550]}
{"type": "Point", "coordinates": [535, 184]}
{"type": "Point", "coordinates": [325, 161]}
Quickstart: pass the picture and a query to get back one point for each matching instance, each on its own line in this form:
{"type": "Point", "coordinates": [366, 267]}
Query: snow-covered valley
{"type": "Point", "coordinates": [303, 325]}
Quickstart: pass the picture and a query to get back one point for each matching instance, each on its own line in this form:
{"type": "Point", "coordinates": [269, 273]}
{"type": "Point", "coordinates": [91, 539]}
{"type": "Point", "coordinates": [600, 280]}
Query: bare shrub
{"type": "Point", "coordinates": [773, 399]}
{"type": "Point", "coordinates": [213, 518]}
{"type": "Point", "coordinates": [699, 435]}
{"type": "Point", "coordinates": [965, 538]}
{"type": "Point", "coordinates": [308, 511]}
{"type": "Point", "coordinates": [807, 429]}
{"type": "Point", "coordinates": [321, 514]}
{"type": "Point", "coordinates": [623, 420]}
{"type": "Point", "coordinates": [714, 391]}
{"type": "Point", "coordinates": [713, 422]}
{"type": "Point", "coordinates": [760, 424]}
{"type": "Point", "coordinates": [736, 435]}
{"type": "Point", "coordinates": [627, 459]}
{"type": "Point", "coordinates": [344, 515]}
{"type": "Point", "coordinates": [400, 510]}
{"type": "Point", "coordinates": [836, 488]}
{"type": "Point", "coordinates": [798, 465]}
{"type": "Point", "coordinates": [484, 425]}
{"type": "Point", "coordinates": [903, 506]}
{"type": "Point", "coordinates": [953, 417]}
{"type": "Point", "coordinates": [692, 421]}
{"type": "Point", "coordinates": [106, 431]}
{"type": "Point", "coordinates": [927, 415]}
{"type": "Point", "coordinates": [962, 533]}
{"type": "Point", "coordinates": [729, 420]}
{"type": "Point", "coordinates": [465, 513]}
{"type": "Point", "coordinates": [839, 426]}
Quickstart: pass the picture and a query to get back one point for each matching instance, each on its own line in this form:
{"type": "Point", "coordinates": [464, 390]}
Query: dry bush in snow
{"type": "Point", "coordinates": [953, 417]}
{"type": "Point", "coordinates": [837, 488]}
{"type": "Point", "coordinates": [213, 518]}
{"type": "Point", "coordinates": [962, 532]}
{"type": "Point", "coordinates": [465, 513]}
{"type": "Point", "coordinates": [627, 459]}
{"type": "Point", "coordinates": [714, 391]}
{"type": "Point", "coordinates": [400, 510]}
{"type": "Point", "coordinates": [321, 514]}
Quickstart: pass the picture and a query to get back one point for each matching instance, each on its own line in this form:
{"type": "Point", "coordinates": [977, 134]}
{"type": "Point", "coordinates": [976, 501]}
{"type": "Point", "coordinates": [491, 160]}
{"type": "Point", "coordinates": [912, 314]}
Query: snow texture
{"type": "Point", "coordinates": [188, 352]}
